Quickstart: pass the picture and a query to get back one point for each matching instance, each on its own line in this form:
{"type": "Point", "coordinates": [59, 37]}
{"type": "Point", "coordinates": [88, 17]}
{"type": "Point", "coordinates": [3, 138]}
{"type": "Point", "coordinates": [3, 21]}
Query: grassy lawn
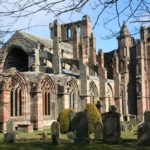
{"type": "Point", "coordinates": [31, 141]}
{"type": "Point", "coordinates": [45, 145]}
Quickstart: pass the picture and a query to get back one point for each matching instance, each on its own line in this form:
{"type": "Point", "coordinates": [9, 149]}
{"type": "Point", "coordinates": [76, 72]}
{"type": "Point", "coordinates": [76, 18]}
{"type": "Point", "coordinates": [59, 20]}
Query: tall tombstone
{"type": "Point", "coordinates": [55, 132]}
{"type": "Point", "coordinates": [98, 130]}
{"type": "Point", "coordinates": [147, 117]}
{"type": "Point", "coordinates": [144, 130]}
{"type": "Point", "coordinates": [79, 124]}
{"type": "Point", "coordinates": [9, 136]}
{"type": "Point", "coordinates": [111, 125]}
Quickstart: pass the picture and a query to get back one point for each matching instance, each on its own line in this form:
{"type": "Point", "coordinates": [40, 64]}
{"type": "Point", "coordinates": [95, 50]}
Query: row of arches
{"type": "Point", "coordinates": [20, 99]}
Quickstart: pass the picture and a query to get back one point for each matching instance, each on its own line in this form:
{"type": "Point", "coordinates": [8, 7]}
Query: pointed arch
{"type": "Point", "coordinates": [48, 94]}
{"type": "Point", "coordinates": [72, 89]}
{"type": "Point", "coordinates": [93, 92]}
{"type": "Point", "coordinates": [110, 94]}
{"type": "Point", "coordinates": [18, 96]}
{"type": "Point", "coordinates": [68, 30]}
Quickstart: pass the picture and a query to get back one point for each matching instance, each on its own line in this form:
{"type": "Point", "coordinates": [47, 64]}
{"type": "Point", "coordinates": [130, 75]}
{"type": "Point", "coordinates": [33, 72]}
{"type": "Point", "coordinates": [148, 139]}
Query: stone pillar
{"type": "Point", "coordinates": [57, 68]}
{"type": "Point", "coordinates": [1, 63]}
{"type": "Point", "coordinates": [117, 79]}
{"type": "Point", "coordinates": [92, 53]}
{"type": "Point", "coordinates": [5, 105]}
{"type": "Point", "coordinates": [39, 107]}
{"type": "Point", "coordinates": [37, 110]}
{"type": "Point", "coordinates": [36, 60]}
{"type": "Point", "coordinates": [141, 92]}
{"type": "Point", "coordinates": [75, 41]}
{"type": "Point", "coordinates": [84, 71]}
{"type": "Point", "coordinates": [101, 69]}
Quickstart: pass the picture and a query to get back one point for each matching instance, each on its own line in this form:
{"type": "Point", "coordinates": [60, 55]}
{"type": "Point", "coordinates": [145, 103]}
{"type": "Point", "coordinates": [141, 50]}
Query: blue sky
{"type": "Point", "coordinates": [42, 19]}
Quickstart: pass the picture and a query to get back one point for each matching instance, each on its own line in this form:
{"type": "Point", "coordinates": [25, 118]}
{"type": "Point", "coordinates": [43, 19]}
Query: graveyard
{"type": "Point", "coordinates": [32, 141]}
{"type": "Point", "coordinates": [107, 133]}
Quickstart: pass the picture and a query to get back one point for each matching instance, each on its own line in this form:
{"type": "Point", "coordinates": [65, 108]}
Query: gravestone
{"type": "Point", "coordinates": [70, 137]}
{"type": "Point", "coordinates": [10, 135]}
{"type": "Point", "coordinates": [144, 130]}
{"type": "Point", "coordinates": [55, 132]}
{"type": "Point", "coordinates": [79, 124]}
{"type": "Point", "coordinates": [44, 135]}
{"type": "Point", "coordinates": [111, 125]}
{"type": "Point", "coordinates": [98, 130]}
{"type": "Point", "coordinates": [147, 117]}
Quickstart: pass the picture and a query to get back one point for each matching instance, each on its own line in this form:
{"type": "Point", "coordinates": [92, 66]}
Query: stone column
{"type": "Point", "coordinates": [57, 68]}
{"type": "Point", "coordinates": [37, 114]}
{"type": "Point", "coordinates": [101, 69]}
{"type": "Point", "coordinates": [36, 59]}
{"type": "Point", "coordinates": [76, 39]}
{"type": "Point", "coordinates": [92, 51]}
{"type": "Point", "coordinates": [5, 105]}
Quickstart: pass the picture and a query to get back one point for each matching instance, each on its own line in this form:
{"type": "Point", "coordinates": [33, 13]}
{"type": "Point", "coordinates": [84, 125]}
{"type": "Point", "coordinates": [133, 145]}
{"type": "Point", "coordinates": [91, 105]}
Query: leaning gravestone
{"type": "Point", "coordinates": [44, 135]}
{"type": "Point", "coordinates": [79, 124]}
{"type": "Point", "coordinates": [55, 132]}
{"type": "Point", "coordinates": [144, 130]}
{"type": "Point", "coordinates": [111, 125]}
{"type": "Point", "coordinates": [98, 130]}
{"type": "Point", "coordinates": [9, 136]}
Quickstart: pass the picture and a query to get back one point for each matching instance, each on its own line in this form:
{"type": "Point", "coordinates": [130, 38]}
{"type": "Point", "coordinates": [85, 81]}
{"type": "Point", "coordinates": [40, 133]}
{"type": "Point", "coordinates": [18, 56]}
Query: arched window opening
{"type": "Point", "coordinates": [46, 103]}
{"type": "Point", "coordinates": [49, 104]}
{"type": "Point", "coordinates": [80, 51]}
{"type": "Point", "coordinates": [11, 103]}
{"type": "Point", "coordinates": [20, 103]}
{"type": "Point", "coordinates": [48, 91]}
{"type": "Point", "coordinates": [16, 102]}
{"type": "Point", "coordinates": [79, 30]}
{"type": "Point", "coordinates": [72, 100]}
{"type": "Point", "coordinates": [93, 92]}
{"type": "Point", "coordinates": [68, 33]}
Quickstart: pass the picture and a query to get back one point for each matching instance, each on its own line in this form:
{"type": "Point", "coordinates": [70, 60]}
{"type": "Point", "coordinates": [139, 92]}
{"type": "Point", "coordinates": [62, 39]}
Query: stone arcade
{"type": "Point", "coordinates": [41, 76]}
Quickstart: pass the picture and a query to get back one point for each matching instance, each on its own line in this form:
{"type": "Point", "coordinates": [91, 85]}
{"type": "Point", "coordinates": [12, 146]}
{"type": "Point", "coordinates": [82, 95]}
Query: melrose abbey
{"type": "Point", "coordinates": [40, 77]}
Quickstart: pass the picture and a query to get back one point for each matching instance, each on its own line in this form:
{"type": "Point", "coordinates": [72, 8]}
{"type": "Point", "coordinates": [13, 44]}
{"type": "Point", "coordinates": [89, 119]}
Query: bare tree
{"type": "Point", "coordinates": [135, 11]}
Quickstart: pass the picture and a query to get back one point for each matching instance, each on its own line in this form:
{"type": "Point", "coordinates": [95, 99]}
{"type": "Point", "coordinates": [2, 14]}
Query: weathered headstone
{"type": "Point", "coordinates": [10, 135]}
{"type": "Point", "coordinates": [79, 124]}
{"type": "Point", "coordinates": [70, 137]}
{"type": "Point", "coordinates": [111, 125]}
{"type": "Point", "coordinates": [147, 117]}
{"type": "Point", "coordinates": [55, 132]}
{"type": "Point", "coordinates": [98, 131]}
{"type": "Point", "coordinates": [144, 130]}
{"type": "Point", "coordinates": [44, 135]}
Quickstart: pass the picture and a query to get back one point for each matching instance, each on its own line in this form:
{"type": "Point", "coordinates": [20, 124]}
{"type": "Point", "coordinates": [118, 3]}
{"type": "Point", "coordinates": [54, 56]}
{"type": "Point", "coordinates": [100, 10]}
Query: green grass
{"type": "Point", "coordinates": [31, 141]}
{"type": "Point", "coordinates": [45, 145]}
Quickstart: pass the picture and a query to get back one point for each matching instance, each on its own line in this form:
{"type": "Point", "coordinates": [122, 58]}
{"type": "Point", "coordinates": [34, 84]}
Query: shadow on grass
{"type": "Point", "coordinates": [45, 145]}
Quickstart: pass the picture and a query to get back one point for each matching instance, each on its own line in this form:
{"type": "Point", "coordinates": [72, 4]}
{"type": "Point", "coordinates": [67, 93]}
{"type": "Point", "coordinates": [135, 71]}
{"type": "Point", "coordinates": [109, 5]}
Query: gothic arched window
{"type": "Point", "coordinates": [16, 102]}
